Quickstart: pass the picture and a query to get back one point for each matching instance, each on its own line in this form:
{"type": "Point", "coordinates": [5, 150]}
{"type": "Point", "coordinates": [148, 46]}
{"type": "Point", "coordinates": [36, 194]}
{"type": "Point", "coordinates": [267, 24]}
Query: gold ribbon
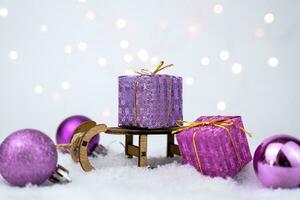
{"type": "Point", "coordinates": [221, 123]}
{"type": "Point", "coordinates": [143, 72]}
{"type": "Point", "coordinates": [157, 69]}
{"type": "Point", "coordinates": [63, 146]}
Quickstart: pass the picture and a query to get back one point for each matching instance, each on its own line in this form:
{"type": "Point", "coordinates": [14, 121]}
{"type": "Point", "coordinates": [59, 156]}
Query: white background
{"type": "Point", "coordinates": [179, 32]}
{"type": "Point", "coordinates": [69, 56]}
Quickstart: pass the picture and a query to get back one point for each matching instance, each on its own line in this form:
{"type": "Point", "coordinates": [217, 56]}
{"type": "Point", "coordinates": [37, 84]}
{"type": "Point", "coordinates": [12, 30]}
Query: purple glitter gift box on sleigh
{"type": "Point", "coordinates": [215, 145]}
{"type": "Point", "coordinates": [150, 100]}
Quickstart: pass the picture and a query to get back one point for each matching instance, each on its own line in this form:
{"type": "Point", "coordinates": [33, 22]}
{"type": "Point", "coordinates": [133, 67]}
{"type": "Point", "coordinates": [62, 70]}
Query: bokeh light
{"type": "Point", "coordinates": [90, 15]}
{"type": "Point", "coordinates": [236, 68]}
{"type": "Point", "coordinates": [82, 46]}
{"type": "Point", "coordinates": [259, 32]}
{"type": "Point", "coordinates": [124, 44]}
{"type": "Point", "coordinates": [221, 105]}
{"type": "Point", "coordinates": [13, 55]}
{"type": "Point", "coordinates": [106, 113]}
{"type": "Point", "coordinates": [224, 55]}
{"type": "Point", "coordinates": [68, 49]}
{"type": "Point", "coordinates": [44, 28]}
{"type": "Point", "coordinates": [189, 81]}
{"type": "Point", "coordinates": [3, 12]}
{"type": "Point", "coordinates": [55, 96]}
{"type": "Point", "coordinates": [38, 89]}
{"type": "Point", "coordinates": [65, 85]}
{"type": "Point", "coordinates": [163, 24]}
{"type": "Point", "coordinates": [193, 28]}
{"type": "Point", "coordinates": [218, 8]}
{"type": "Point", "coordinates": [273, 62]}
{"type": "Point", "coordinates": [205, 61]}
{"type": "Point", "coordinates": [143, 55]}
{"type": "Point", "coordinates": [154, 60]}
{"type": "Point", "coordinates": [269, 18]}
{"type": "Point", "coordinates": [121, 23]}
{"type": "Point", "coordinates": [101, 61]}
{"type": "Point", "coordinates": [128, 58]}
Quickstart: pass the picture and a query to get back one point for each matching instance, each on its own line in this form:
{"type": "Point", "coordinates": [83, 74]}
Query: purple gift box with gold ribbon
{"type": "Point", "coordinates": [215, 145]}
{"type": "Point", "coordinates": [150, 100]}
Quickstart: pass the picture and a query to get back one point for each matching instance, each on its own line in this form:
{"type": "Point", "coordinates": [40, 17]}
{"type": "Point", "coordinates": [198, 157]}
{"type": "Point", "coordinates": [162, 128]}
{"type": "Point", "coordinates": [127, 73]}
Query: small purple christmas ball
{"type": "Point", "coordinates": [66, 130]}
{"type": "Point", "coordinates": [27, 156]}
{"type": "Point", "coordinates": [277, 162]}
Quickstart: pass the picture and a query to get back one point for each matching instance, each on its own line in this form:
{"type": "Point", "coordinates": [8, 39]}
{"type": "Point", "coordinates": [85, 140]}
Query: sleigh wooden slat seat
{"type": "Point", "coordinates": [140, 150]}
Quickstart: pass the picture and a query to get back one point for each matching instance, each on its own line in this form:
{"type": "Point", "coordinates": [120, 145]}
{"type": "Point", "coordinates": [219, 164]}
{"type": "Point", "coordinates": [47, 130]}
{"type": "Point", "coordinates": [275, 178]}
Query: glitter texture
{"type": "Point", "coordinates": [215, 149]}
{"type": "Point", "coordinates": [152, 101]}
{"type": "Point", "coordinates": [27, 156]}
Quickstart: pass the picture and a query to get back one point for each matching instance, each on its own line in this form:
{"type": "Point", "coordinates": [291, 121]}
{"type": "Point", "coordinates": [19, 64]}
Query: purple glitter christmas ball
{"type": "Point", "coordinates": [67, 127]}
{"type": "Point", "coordinates": [27, 156]}
{"type": "Point", "coordinates": [277, 162]}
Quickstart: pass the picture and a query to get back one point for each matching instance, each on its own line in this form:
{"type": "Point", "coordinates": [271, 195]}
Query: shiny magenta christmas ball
{"type": "Point", "coordinates": [277, 162]}
{"type": "Point", "coordinates": [66, 130]}
{"type": "Point", "coordinates": [27, 156]}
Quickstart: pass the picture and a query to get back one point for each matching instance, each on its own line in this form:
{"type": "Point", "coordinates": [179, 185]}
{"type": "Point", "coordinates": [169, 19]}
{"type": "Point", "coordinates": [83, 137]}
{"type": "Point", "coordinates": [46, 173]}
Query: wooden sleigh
{"type": "Point", "coordinates": [86, 131]}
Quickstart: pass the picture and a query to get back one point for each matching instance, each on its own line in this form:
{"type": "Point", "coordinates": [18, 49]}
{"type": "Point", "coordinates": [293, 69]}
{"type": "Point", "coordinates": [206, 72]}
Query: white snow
{"type": "Point", "coordinates": [117, 177]}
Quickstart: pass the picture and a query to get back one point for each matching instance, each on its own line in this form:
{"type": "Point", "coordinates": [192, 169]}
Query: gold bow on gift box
{"type": "Point", "coordinates": [157, 69]}
{"type": "Point", "coordinates": [221, 123]}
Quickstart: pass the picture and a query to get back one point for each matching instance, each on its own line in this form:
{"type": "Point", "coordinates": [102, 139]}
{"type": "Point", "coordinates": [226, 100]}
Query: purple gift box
{"type": "Point", "coordinates": [217, 147]}
{"type": "Point", "coordinates": [150, 101]}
